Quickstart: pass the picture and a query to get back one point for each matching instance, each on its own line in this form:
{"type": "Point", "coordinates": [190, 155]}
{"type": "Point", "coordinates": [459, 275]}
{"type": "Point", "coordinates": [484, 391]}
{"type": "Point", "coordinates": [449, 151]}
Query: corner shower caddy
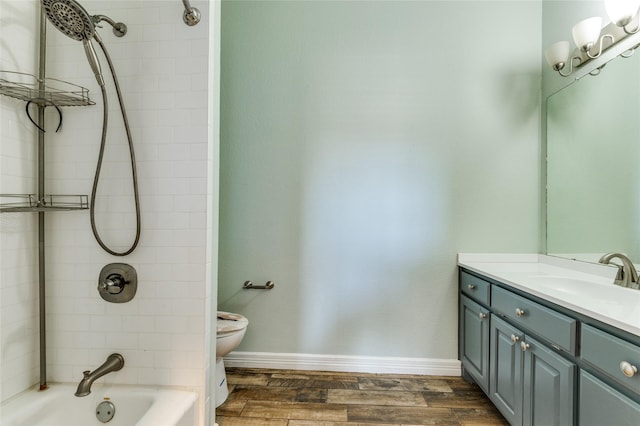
{"type": "Point", "coordinates": [43, 92]}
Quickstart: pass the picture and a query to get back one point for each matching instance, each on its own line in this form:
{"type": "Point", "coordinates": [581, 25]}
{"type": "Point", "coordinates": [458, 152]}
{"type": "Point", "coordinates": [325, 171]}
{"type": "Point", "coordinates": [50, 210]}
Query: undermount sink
{"type": "Point", "coordinates": [561, 281]}
{"type": "Point", "coordinates": [580, 292]}
{"type": "Point", "coordinates": [571, 285]}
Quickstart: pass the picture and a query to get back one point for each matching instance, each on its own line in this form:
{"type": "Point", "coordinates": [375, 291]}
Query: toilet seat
{"type": "Point", "coordinates": [228, 322]}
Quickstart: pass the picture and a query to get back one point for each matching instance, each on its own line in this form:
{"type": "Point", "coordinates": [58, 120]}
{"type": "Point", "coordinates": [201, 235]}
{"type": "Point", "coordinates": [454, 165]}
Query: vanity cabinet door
{"type": "Point", "coordinates": [530, 384]}
{"type": "Point", "coordinates": [549, 382]}
{"type": "Point", "coordinates": [505, 384]}
{"type": "Point", "coordinates": [602, 405]}
{"type": "Point", "coordinates": [474, 341]}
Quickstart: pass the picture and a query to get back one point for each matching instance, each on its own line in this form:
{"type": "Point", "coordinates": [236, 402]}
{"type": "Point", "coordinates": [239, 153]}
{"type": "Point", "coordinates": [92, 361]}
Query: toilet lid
{"type": "Point", "coordinates": [228, 322]}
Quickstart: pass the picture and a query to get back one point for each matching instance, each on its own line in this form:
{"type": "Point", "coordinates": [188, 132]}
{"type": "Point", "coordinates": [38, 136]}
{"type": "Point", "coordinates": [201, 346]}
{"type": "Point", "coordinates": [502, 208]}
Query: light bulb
{"type": "Point", "coordinates": [621, 11]}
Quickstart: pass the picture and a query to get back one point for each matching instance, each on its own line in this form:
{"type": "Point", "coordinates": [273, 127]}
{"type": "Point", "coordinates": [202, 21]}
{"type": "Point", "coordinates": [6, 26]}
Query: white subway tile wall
{"type": "Point", "coordinates": [162, 67]}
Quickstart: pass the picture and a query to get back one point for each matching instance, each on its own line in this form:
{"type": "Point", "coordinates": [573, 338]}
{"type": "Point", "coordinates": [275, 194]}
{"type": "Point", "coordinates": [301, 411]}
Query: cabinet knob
{"type": "Point", "coordinates": [482, 315]}
{"type": "Point", "coordinates": [514, 338]}
{"type": "Point", "coordinates": [471, 287]}
{"type": "Point", "coordinates": [520, 312]}
{"type": "Point", "coordinates": [524, 346]}
{"type": "Point", "coordinates": [628, 369]}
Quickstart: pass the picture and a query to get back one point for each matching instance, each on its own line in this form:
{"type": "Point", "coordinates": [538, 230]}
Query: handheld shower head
{"type": "Point", "coordinates": [92, 57]}
{"type": "Point", "coordinates": [72, 20]}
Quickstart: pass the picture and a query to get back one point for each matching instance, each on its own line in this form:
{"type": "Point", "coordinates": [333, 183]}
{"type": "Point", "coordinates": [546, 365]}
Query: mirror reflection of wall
{"type": "Point", "coordinates": [593, 167]}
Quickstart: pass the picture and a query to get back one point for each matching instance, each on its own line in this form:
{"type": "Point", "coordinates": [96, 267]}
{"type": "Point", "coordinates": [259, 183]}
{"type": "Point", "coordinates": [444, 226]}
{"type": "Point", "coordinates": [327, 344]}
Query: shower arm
{"type": "Point", "coordinates": [187, 6]}
{"type": "Point", "coordinates": [119, 29]}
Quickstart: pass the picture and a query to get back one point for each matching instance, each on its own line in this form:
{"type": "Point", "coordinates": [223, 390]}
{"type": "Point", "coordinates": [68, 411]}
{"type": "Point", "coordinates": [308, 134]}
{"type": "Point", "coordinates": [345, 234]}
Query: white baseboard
{"type": "Point", "coordinates": [343, 363]}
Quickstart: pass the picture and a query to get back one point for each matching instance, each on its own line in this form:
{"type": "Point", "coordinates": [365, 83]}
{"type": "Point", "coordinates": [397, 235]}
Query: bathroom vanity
{"type": "Point", "coordinates": [550, 341]}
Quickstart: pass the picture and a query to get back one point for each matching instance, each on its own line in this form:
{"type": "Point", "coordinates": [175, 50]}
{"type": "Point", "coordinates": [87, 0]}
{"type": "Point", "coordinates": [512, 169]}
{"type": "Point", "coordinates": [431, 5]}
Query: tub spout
{"type": "Point", "coordinates": [114, 362]}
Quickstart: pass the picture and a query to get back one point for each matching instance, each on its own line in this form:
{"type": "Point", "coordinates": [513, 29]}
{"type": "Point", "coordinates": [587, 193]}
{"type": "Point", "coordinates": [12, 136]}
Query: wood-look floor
{"type": "Point", "coordinates": [303, 398]}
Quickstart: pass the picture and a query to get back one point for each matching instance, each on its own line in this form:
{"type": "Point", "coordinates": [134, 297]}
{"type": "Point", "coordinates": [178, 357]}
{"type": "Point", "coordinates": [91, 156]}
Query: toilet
{"type": "Point", "coordinates": [230, 330]}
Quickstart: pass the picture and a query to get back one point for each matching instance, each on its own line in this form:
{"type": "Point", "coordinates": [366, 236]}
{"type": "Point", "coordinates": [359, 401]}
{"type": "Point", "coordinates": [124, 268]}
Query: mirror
{"type": "Point", "coordinates": [593, 164]}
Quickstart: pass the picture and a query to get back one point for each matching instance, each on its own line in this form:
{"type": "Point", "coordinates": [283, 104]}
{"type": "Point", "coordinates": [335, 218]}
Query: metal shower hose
{"type": "Point", "coordinates": [100, 158]}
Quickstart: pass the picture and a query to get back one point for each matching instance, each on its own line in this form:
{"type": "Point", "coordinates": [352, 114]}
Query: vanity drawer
{"type": "Point", "coordinates": [553, 326]}
{"type": "Point", "coordinates": [474, 287]}
{"type": "Point", "coordinates": [607, 353]}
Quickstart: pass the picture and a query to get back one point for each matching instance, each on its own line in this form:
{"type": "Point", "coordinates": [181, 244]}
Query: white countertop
{"type": "Point", "coordinates": [583, 287]}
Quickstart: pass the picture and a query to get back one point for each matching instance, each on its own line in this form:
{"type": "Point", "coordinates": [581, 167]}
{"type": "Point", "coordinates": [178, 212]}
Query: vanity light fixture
{"type": "Point", "coordinates": [591, 40]}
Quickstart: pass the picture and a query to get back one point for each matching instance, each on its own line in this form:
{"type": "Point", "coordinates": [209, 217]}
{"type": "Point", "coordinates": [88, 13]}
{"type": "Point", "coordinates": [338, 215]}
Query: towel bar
{"type": "Point", "coordinates": [249, 285]}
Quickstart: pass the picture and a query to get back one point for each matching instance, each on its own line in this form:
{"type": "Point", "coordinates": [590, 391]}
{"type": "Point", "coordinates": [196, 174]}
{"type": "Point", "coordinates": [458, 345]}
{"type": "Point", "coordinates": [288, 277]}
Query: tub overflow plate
{"type": "Point", "coordinates": [105, 411]}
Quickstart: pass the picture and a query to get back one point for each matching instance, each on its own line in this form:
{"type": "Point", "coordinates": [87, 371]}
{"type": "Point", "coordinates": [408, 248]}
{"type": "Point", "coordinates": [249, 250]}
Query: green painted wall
{"type": "Point", "coordinates": [363, 145]}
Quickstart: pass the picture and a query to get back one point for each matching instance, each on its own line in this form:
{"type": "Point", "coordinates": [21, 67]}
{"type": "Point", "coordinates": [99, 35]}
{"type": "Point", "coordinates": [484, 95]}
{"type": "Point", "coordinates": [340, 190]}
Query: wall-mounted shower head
{"type": "Point", "coordinates": [70, 18]}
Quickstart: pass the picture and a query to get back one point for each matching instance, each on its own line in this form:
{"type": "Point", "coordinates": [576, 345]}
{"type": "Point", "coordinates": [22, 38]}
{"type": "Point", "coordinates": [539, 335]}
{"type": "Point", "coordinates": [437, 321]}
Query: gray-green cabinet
{"type": "Point", "coordinates": [530, 384]}
{"type": "Point", "coordinates": [600, 404]}
{"type": "Point", "coordinates": [474, 343]}
{"type": "Point", "coordinates": [616, 360]}
{"type": "Point", "coordinates": [549, 383]}
{"type": "Point", "coordinates": [542, 365]}
{"type": "Point", "coordinates": [505, 383]}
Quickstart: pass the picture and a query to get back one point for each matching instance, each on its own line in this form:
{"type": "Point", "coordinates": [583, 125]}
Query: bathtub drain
{"type": "Point", "coordinates": [105, 411]}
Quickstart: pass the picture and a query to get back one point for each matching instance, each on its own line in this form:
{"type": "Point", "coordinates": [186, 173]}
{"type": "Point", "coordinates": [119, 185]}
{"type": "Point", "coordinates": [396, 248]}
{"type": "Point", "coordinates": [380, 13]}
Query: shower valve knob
{"type": "Point", "coordinates": [114, 284]}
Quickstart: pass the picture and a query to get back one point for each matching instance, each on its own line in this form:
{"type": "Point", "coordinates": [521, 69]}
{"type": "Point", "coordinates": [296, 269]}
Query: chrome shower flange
{"type": "Point", "coordinates": [191, 17]}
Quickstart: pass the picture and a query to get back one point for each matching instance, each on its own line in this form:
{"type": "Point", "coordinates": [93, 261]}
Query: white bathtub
{"type": "Point", "coordinates": [139, 406]}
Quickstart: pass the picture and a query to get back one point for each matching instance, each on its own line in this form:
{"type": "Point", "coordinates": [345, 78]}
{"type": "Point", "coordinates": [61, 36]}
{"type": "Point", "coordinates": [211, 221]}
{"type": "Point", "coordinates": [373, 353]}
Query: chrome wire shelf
{"type": "Point", "coordinates": [11, 203]}
{"type": "Point", "coordinates": [26, 87]}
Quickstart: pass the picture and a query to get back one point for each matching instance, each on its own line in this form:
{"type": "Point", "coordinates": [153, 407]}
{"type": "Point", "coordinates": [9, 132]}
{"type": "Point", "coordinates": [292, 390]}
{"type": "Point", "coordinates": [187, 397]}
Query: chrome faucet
{"type": "Point", "coordinates": [627, 275]}
{"type": "Point", "coordinates": [114, 362]}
